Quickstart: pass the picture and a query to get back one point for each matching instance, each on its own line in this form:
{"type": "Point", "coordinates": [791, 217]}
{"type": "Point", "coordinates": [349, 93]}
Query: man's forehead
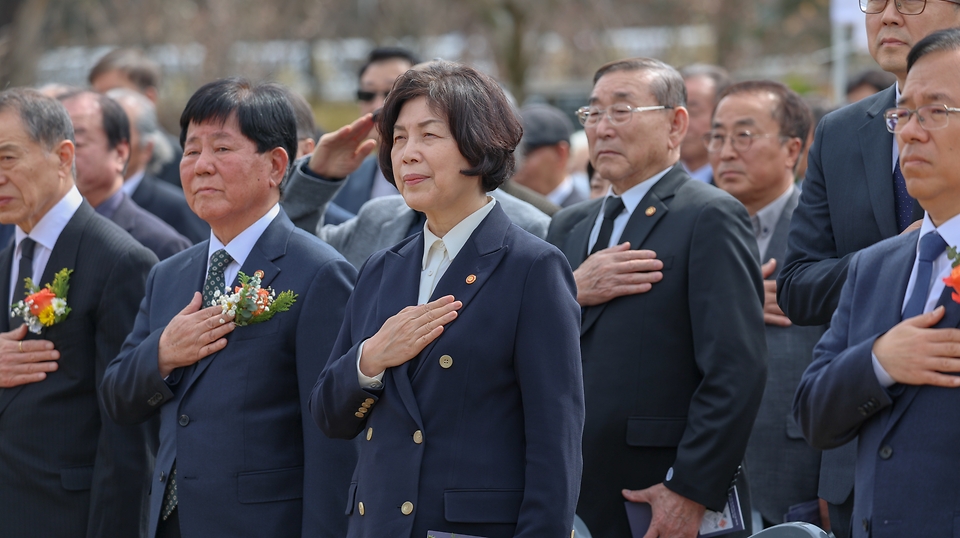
{"type": "Point", "coordinates": [622, 86]}
{"type": "Point", "coordinates": [215, 128]}
{"type": "Point", "coordinates": [933, 78]}
{"type": "Point", "coordinates": [748, 108]}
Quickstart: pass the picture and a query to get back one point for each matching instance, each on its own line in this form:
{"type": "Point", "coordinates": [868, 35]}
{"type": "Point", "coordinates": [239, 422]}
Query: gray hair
{"type": "Point", "coordinates": [45, 119]}
{"type": "Point", "coordinates": [146, 124]}
{"type": "Point", "coordinates": [666, 84]}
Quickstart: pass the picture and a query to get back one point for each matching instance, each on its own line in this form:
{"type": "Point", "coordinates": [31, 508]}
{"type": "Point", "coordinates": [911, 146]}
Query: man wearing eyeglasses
{"type": "Point", "coordinates": [668, 274]}
{"type": "Point", "coordinates": [885, 373]}
{"type": "Point", "coordinates": [854, 195]}
{"type": "Point", "coordinates": [757, 135]}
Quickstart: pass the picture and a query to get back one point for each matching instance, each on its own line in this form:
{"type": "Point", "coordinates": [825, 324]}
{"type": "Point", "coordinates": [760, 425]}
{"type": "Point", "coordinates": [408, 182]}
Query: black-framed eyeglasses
{"type": "Point", "coordinates": [931, 117]}
{"type": "Point", "coordinates": [905, 7]}
{"type": "Point", "coordinates": [590, 116]}
{"type": "Point", "coordinates": [366, 96]}
{"type": "Point", "coordinates": [741, 141]}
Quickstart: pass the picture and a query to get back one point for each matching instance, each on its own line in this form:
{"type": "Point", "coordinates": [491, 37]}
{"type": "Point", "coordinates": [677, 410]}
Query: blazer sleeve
{"type": "Point", "coordinates": [328, 463]}
{"type": "Point", "coordinates": [132, 381]}
{"type": "Point", "coordinates": [828, 405]}
{"type": "Point", "coordinates": [809, 284]}
{"type": "Point", "coordinates": [726, 313]}
{"type": "Point", "coordinates": [549, 374]}
{"type": "Point", "coordinates": [306, 193]}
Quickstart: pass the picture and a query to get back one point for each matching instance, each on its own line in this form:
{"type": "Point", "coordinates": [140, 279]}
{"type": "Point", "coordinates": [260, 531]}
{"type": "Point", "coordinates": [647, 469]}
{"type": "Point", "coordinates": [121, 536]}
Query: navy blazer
{"type": "Point", "coordinates": [907, 468]}
{"type": "Point", "coordinates": [168, 202]}
{"type": "Point", "coordinates": [148, 229]}
{"type": "Point", "coordinates": [480, 433]}
{"type": "Point", "coordinates": [357, 186]}
{"type": "Point", "coordinates": [249, 460]}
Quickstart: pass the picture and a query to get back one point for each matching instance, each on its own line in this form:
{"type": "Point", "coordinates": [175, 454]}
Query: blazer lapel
{"type": "Point", "coordinates": [879, 175]}
{"type": "Point", "coordinates": [652, 208]}
{"type": "Point", "coordinates": [579, 235]}
{"type": "Point", "coordinates": [778, 241]}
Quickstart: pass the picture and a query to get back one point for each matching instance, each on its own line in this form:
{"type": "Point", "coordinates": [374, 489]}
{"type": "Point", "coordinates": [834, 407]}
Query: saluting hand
{"type": "Point", "coordinates": [403, 336]}
{"type": "Point", "coordinates": [25, 361]}
{"type": "Point", "coordinates": [192, 335]}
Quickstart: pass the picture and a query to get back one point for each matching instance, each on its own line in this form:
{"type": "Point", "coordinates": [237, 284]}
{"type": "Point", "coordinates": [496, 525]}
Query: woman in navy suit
{"type": "Point", "coordinates": [458, 363]}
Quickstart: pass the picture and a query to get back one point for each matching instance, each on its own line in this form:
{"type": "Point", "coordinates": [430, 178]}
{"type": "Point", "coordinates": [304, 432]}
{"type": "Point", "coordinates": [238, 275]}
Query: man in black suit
{"type": "Point", "coordinates": [673, 359]}
{"type": "Point", "coordinates": [758, 133]}
{"type": "Point", "coordinates": [103, 147]}
{"type": "Point", "coordinates": [853, 196]}
{"type": "Point", "coordinates": [66, 469]}
{"type": "Point", "coordinates": [148, 191]}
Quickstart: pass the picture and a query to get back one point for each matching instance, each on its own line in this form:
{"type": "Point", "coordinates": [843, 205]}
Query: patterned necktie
{"type": "Point", "coordinates": [612, 207]}
{"type": "Point", "coordinates": [24, 271]}
{"type": "Point", "coordinates": [931, 247]}
{"type": "Point", "coordinates": [215, 281]}
{"type": "Point", "coordinates": [902, 201]}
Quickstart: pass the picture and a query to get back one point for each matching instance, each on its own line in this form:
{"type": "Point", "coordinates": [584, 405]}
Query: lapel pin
{"type": "Point", "coordinates": [471, 279]}
{"type": "Point", "coordinates": [650, 211]}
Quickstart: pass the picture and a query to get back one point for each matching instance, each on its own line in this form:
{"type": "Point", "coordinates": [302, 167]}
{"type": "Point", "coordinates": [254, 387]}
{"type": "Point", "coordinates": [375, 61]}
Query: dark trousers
{"type": "Point", "coordinates": [840, 516]}
{"type": "Point", "coordinates": [171, 527]}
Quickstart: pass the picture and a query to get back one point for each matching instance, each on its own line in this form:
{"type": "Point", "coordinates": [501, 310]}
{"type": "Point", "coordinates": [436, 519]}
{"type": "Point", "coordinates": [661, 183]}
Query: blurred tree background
{"type": "Point", "coordinates": [541, 49]}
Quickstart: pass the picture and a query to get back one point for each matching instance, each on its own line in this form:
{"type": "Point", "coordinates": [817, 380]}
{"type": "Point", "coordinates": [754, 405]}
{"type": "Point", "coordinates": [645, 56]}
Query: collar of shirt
{"type": "Point", "coordinates": [241, 245]}
{"type": "Point", "coordinates": [770, 213]}
{"type": "Point", "coordinates": [46, 233]}
{"type": "Point", "coordinates": [131, 184]}
{"type": "Point", "coordinates": [950, 232]}
{"type": "Point", "coordinates": [562, 192]}
{"type": "Point", "coordinates": [631, 199]}
{"type": "Point", "coordinates": [109, 206]}
{"type": "Point", "coordinates": [458, 236]}
{"type": "Point", "coordinates": [704, 173]}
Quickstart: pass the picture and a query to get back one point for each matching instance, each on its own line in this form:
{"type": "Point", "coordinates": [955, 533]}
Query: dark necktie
{"type": "Point", "coordinates": [213, 283]}
{"type": "Point", "coordinates": [612, 207]}
{"type": "Point", "coordinates": [24, 271]}
{"type": "Point", "coordinates": [902, 202]}
{"type": "Point", "coordinates": [931, 247]}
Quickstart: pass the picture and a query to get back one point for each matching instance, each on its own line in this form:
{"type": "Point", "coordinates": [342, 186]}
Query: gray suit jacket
{"type": "Point", "coordinates": [782, 468]}
{"type": "Point", "coordinates": [381, 222]}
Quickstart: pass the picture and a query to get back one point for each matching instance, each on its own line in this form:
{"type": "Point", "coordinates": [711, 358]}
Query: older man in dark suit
{"type": "Point", "coordinates": [238, 453]}
{"type": "Point", "coordinates": [854, 195]}
{"type": "Point", "coordinates": [66, 469]}
{"type": "Point", "coordinates": [885, 373]}
{"type": "Point", "coordinates": [103, 149]}
{"type": "Point", "coordinates": [757, 136]}
{"type": "Point", "coordinates": [673, 376]}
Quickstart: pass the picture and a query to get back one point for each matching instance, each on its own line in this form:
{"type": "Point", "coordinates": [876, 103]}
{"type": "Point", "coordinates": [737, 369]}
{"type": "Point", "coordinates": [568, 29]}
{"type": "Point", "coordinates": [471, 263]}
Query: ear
{"type": "Point", "coordinates": [678, 127]}
{"type": "Point", "coordinates": [65, 152]}
{"type": "Point", "coordinates": [305, 147]}
{"type": "Point", "coordinates": [793, 147]}
{"type": "Point", "coordinates": [151, 94]}
{"type": "Point", "coordinates": [278, 165]}
{"type": "Point", "coordinates": [123, 155]}
{"type": "Point", "coordinates": [148, 151]}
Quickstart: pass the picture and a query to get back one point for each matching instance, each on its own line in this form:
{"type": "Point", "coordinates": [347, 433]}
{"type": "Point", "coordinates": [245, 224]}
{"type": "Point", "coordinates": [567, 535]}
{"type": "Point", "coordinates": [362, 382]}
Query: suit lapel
{"type": "Point", "coordinates": [579, 235]}
{"type": "Point", "coordinates": [879, 176]}
{"type": "Point", "coordinates": [652, 208]}
{"type": "Point", "coordinates": [778, 241]}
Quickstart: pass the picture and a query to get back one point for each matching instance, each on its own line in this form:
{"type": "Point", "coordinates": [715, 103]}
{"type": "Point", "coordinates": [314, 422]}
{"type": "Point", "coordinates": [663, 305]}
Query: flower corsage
{"type": "Point", "coordinates": [249, 303]}
{"type": "Point", "coordinates": [953, 281]}
{"type": "Point", "coordinates": [44, 307]}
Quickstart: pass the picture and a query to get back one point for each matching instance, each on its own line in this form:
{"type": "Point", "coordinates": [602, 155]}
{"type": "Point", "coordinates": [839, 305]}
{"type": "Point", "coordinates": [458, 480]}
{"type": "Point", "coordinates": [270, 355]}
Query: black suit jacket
{"type": "Point", "coordinates": [148, 229]}
{"type": "Point", "coordinates": [66, 470]}
{"type": "Point", "coordinates": [672, 377]}
{"type": "Point", "coordinates": [167, 202]}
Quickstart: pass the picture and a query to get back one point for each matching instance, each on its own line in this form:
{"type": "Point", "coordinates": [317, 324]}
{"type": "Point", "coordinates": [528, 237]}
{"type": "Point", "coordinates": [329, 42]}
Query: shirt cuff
{"type": "Point", "coordinates": [882, 376]}
{"type": "Point", "coordinates": [375, 382]}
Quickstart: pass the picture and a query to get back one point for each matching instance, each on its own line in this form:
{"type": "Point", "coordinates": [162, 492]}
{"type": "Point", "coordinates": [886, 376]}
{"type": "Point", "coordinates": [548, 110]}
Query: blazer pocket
{"type": "Point", "coordinates": [655, 432]}
{"type": "Point", "coordinates": [793, 431]}
{"type": "Point", "coordinates": [258, 329]}
{"type": "Point", "coordinates": [270, 486]}
{"type": "Point", "coordinates": [77, 478]}
{"type": "Point", "coordinates": [351, 497]}
{"type": "Point", "coordinates": [482, 505]}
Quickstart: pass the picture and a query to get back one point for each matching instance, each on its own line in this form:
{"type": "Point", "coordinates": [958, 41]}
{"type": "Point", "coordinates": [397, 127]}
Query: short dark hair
{"type": "Point", "coordinates": [133, 63]}
{"type": "Point", "coordinates": [306, 125]}
{"type": "Point", "coordinates": [382, 54]}
{"type": "Point", "coordinates": [116, 124]}
{"type": "Point", "coordinates": [666, 85]}
{"type": "Point", "coordinates": [942, 40]}
{"type": "Point", "coordinates": [263, 113]}
{"type": "Point", "coordinates": [719, 75]}
{"type": "Point", "coordinates": [44, 119]}
{"type": "Point", "coordinates": [482, 122]}
{"type": "Point", "coordinates": [792, 113]}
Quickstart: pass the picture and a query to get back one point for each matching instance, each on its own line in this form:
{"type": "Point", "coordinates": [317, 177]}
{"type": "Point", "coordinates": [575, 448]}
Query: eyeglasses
{"type": "Point", "coordinates": [590, 116]}
{"type": "Point", "coordinates": [741, 141]}
{"type": "Point", "coordinates": [905, 7]}
{"type": "Point", "coordinates": [931, 117]}
{"type": "Point", "coordinates": [366, 97]}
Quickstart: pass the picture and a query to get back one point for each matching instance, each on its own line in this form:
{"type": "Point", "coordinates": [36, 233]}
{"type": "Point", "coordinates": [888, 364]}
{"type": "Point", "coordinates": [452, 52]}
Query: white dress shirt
{"type": "Point", "coordinates": [45, 233]}
{"type": "Point", "coordinates": [631, 198]}
{"type": "Point", "coordinates": [950, 232]}
{"type": "Point", "coordinates": [438, 254]}
{"type": "Point", "coordinates": [241, 245]}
